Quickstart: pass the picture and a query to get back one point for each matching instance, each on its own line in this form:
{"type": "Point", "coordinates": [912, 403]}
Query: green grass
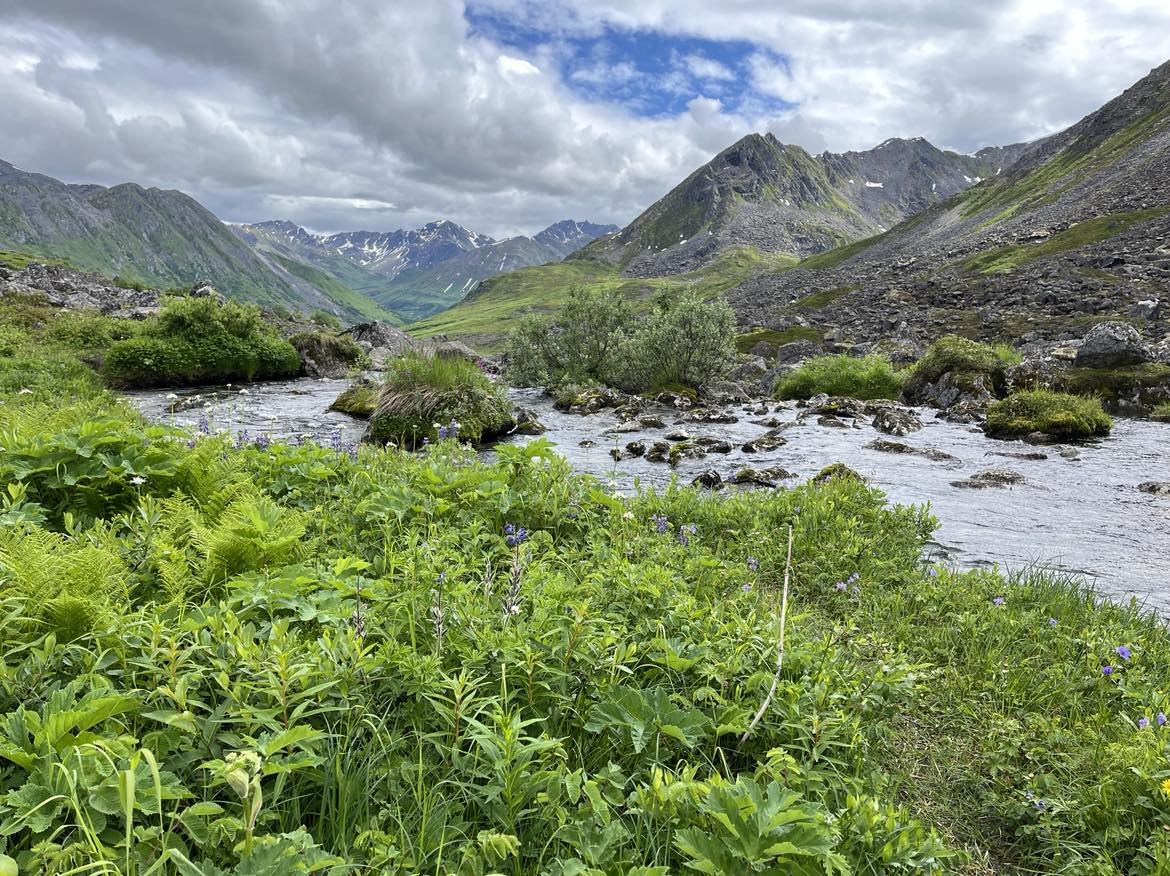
{"type": "Point", "coordinates": [18, 260]}
{"type": "Point", "coordinates": [1058, 415]}
{"type": "Point", "coordinates": [1161, 412]}
{"type": "Point", "coordinates": [777, 338]}
{"type": "Point", "coordinates": [825, 297]}
{"type": "Point", "coordinates": [1111, 384]}
{"type": "Point", "coordinates": [960, 356]}
{"type": "Point", "coordinates": [869, 377]}
{"type": "Point", "coordinates": [355, 306]}
{"type": "Point", "coordinates": [489, 313]}
{"type": "Point", "coordinates": [1080, 235]}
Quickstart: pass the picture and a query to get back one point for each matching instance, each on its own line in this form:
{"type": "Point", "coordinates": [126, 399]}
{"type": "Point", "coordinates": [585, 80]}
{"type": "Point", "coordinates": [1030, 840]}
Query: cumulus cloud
{"type": "Point", "coordinates": [368, 113]}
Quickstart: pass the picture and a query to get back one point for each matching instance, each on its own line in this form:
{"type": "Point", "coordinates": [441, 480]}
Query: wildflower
{"type": "Point", "coordinates": [1108, 670]}
{"type": "Point", "coordinates": [842, 586]}
{"type": "Point", "coordinates": [747, 588]}
{"type": "Point", "coordinates": [932, 572]}
{"type": "Point", "coordinates": [856, 591]}
{"type": "Point", "coordinates": [138, 480]}
{"type": "Point", "coordinates": [1161, 719]}
{"type": "Point", "coordinates": [442, 433]}
{"type": "Point", "coordinates": [853, 578]}
{"type": "Point", "coordinates": [1039, 804]}
{"type": "Point", "coordinates": [262, 441]}
{"type": "Point", "coordinates": [1143, 722]}
{"type": "Point", "coordinates": [204, 424]}
{"type": "Point", "coordinates": [999, 600]}
{"type": "Point", "coordinates": [629, 515]}
{"type": "Point", "coordinates": [191, 443]}
{"type": "Point", "coordinates": [1123, 652]}
{"type": "Point", "coordinates": [516, 535]}
{"type": "Point", "coordinates": [660, 523]}
{"type": "Point", "coordinates": [426, 441]}
{"type": "Point", "coordinates": [26, 391]}
{"type": "Point", "coordinates": [753, 564]}
{"type": "Point", "coordinates": [335, 440]}
{"type": "Point", "coordinates": [1052, 622]}
{"type": "Point", "coordinates": [1166, 788]}
{"type": "Point", "coordinates": [685, 532]}
{"type": "Point", "coordinates": [172, 397]}
{"type": "Point", "coordinates": [453, 429]}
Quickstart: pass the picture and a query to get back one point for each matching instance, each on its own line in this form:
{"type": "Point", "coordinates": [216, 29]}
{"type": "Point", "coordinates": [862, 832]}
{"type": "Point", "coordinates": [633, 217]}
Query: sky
{"type": "Point", "coordinates": [508, 115]}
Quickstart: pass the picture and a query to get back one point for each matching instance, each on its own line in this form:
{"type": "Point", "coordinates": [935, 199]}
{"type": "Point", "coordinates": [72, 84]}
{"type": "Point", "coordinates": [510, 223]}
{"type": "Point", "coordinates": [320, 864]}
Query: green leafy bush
{"type": "Point", "coordinates": [595, 339]}
{"type": "Point", "coordinates": [200, 340]}
{"type": "Point", "coordinates": [422, 394]}
{"type": "Point", "coordinates": [1054, 414]}
{"type": "Point", "coordinates": [865, 378]}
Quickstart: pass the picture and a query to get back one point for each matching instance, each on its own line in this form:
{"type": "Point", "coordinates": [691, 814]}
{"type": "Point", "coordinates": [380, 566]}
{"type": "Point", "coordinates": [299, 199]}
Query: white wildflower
{"type": "Point", "coordinates": [138, 480]}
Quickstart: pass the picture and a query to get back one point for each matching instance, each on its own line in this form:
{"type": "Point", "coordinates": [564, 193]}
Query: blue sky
{"type": "Point", "coordinates": [650, 73]}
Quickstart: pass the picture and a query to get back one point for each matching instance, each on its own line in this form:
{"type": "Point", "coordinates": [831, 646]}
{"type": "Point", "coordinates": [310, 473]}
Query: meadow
{"type": "Point", "coordinates": [239, 656]}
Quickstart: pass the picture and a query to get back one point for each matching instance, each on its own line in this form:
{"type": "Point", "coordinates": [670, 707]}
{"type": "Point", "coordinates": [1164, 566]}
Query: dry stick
{"type": "Point", "coordinates": [779, 648]}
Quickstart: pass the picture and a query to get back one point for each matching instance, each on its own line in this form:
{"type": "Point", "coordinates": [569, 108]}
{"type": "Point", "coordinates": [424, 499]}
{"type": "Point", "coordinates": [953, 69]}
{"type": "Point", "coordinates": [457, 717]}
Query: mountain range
{"type": "Point", "coordinates": [1035, 239]}
{"type": "Point", "coordinates": [416, 273]}
{"type": "Point", "coordinates": [165, 238]}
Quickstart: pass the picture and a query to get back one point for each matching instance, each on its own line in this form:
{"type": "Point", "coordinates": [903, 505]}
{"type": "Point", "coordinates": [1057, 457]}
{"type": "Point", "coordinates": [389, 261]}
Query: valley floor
{"type": "Point", "coordinates": [267, 658]}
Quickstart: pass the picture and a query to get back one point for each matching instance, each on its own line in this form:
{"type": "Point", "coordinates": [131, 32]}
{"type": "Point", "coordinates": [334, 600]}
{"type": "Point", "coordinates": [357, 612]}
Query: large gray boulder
{"type": "Point", "coordinates": [381, 341]}
{"type": "Point", "coordinates": [1112, 345]}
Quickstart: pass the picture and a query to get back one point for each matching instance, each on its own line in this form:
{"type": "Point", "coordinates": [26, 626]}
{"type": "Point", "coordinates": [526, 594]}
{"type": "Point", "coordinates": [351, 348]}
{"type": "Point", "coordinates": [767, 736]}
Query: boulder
{"type": "Point", "coordinates": [787, 354]}
{"type": "Point", "coordinates": [1155, 488]}
{"type": "Point", "coordinates": [992, 477]}
{"type": "Point", "coordinates": [764, 444]}
{"type": "Point", "coordinates": [750, 371]}
{"type": "Point", "coordinates": [715, 445]}
{"type": "Point", "coordinates": [1150, 309]}
{"type": "Point", "coordinates": [768, 477]}
{"type": "Point", "coordinates": [652, 422]}
{"type": "Point", "coordinates": [527, 423]}
{"type": "Point", "coordinates": [381, 341]}
{"type": "Point", "coordinates": [884, 446]}
{"type": "Point", "coordinates": [710, 479]}
{"type": "Point", "coordinates": [894, 421]}
{"type": "Point", "coordinates": [764, 350]}
{"type": "Point", "coordinates": [1112, 345]}
{"type": "Point", "coordinates": [685, 450]}
{"type": "Point", "coordinates": [659, 452]}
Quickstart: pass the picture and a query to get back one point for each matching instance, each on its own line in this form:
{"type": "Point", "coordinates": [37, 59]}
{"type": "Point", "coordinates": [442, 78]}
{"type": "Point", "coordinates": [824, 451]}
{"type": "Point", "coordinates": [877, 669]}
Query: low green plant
{"type": "Point", "coordinates": [200, 340]}
{"type": "Point", "coordinates": [326, 348]}
{"type": "Point", "coordinates": [1055, 414]}
{"type": "Point", "coordinates": [421, 395]}
{"type": "Point", "coordinates": [868, 377]}
{"type": "Point", "coordinates": [972, 365]}
{"type": "Point", "coordinates": [1161, 412]}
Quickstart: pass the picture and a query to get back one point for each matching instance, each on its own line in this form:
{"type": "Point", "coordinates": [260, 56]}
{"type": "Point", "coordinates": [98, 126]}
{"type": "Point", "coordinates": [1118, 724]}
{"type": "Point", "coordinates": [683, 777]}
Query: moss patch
{"type": "Point", "coordinates": [825, 297]}
{"type": "Point", "coordinates": [963, 357]}
{"type": "Point", "coordinates": [747, 340]}
{"type": "Point", "coordinates": [357, 400]}
{"type": "Point", "coordinates": [1111, 384]}
{"type": "Point", "coordinates": [1056, 414]}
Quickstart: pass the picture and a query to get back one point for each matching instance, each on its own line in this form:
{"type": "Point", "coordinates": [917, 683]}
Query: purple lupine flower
{"type": "Point", "coordinates": [442, 433]}
{"type": "Point", "coordinates": [1052, 622]}
{"type": "Point", "coordinates": [999, 600]}
{"type": "Point", "coordinates": [1143, 722]}
{"type": "Point", "coordinates": [335, 440]}
{"type": "Point", "coordinates": [352, 450]}
{"type": "Point", "coordinates": [262, 441]}
{"type": "Point", "coordinates": [1123, 652]}
{"type": "Point", "coordinates": [516, 535]}
{"type": "Point", "coordinates": [204, 424]}
{"type": "Point", "coordinates": [685, 532]}
{"type": "Point", "coordinates": [1161, 719]}
{"type": "Point", "coordinates": [191, 443]}
{"type": "Point", "coordinates": [842, 586]}
{"type": "Point", "coordinates": [856, 591]}
{"type": "Point", "coordinates": [1108, 670]}
{"type": "Point", "coordinates": [753, 564]}
{"type": "Point", "coordinates": [661, 523]}
{"type": "Point", "coordinates": [932, 572]}
{"type": "Point", "coordinates": [1039, 804]}
{"type": "Point", "coordinates": [747, 588]}
{"type": "Point", "coordinates": [852, 578]}
{"type": "Point", "coordinates": [453, 429]}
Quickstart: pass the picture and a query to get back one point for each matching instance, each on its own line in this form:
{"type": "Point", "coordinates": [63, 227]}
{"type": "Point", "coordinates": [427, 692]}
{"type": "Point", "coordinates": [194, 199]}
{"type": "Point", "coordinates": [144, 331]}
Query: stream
{"type": "Point", "coordinates": [1080, 513]}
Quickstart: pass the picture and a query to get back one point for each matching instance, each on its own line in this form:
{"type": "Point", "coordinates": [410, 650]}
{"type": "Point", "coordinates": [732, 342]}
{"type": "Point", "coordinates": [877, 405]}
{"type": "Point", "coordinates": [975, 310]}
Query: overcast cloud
{"type": "Point", "coordinates": [511, 114]}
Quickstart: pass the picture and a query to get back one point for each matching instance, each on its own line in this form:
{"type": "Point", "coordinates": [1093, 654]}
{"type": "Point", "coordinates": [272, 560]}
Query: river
{"type": "Point", "coordinates": [1079, 513]}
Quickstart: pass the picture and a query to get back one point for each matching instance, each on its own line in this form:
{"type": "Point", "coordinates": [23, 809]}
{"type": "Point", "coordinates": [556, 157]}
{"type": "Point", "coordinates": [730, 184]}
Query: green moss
{"type": "Point", "coordinates": [777, 338]}
{"type": "Point", "coordinates": [865, 378]}
{"type": "Point", "coordinates": [953, 354]}
{"type": "Point", "coordinates": [358, 400]}
{"type": "Point", "coordinates": [1111, 384]}
{"type": "Point", "coordinates": [825, 297]}
{"type": "Point", "coordinates": [1080, 235]}
{"type": "Point", "coordinates": [1161, 412]}
{"type": "Point", "coordinates": [326, 347]}
{"type": "Point", "coordinates": [1057, 415]}
{"type": "Point", "coordinates": [837, 471]}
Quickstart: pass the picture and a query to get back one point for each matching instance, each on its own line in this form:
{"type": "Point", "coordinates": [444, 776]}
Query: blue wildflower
{"type": "Point", "coordinates": [1161, 719]}
{"type": "Point", "coordinates": [999, 600]}
{"type": "Point", "coordinates": [1108, 670]}
{"type": "Point", "coordinates": [753, 564]}
{"type": "Point", "coordinates": [442, 433]}
{"type": "Point", "coordinates": [661, 523]}
{"type": "Point", "coordinates": [685, 532]}
{"type": "Point", "coordinates": [842, 586]}
{"type": "Point", "coordinates": [1052, 622]}
{"type": "Point", "coordinates": [1143, 722]}
{"type": "Point", "coordinates": [516, 535]}
{"type": "Point", "coordinates": [1123, 652]}
{"type": "Point", "coordinates": [747, 588]}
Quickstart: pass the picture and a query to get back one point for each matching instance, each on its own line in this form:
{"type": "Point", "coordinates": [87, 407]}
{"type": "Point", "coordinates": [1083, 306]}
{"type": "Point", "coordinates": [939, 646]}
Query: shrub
{"type": "Point", "coordinates": [88, 331]}
{"type": "Point", "coordinates": [200, 340]}
{"type": "Point", "coordinates": [325, 319]}
{"type": "Point", "coordinates": [1054, 414]}
{"type": "Point", "coordinates": [594, 339]}
{"type": "Point", "coordinates": [866, 378]}
{"type": "Point", "coordinates": [1161, 412]}
{"type": "Point", "coordinates": [421, 394]}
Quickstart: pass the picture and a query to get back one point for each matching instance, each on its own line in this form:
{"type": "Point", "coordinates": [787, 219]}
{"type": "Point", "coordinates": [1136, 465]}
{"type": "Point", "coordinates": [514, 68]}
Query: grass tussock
{"type": "Point", "coordinates": [1057, 415]}
{"type": "Point", "coordinates": [420, 395]}
{"type": "Point", "coordinates": [868, 377]}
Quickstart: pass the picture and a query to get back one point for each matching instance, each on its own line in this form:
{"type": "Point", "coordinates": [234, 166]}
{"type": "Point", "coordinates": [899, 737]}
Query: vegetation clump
{"type": "Point", "coordinates": [328, 351]}
{"type": "Point", "coordinates": [595, 338]}
{"type": "Point", "coordinates": [868, 377]}
{"type": "Point", "coordinates": [1161, 412]}
{"type": "Point", "coordinates": [1057, 415]}
{"type": "Point", "coordinates": [971, 365]}
{"type": "Point", "coordinates": [421, 397]}
{"type": "Point", "coordinates": [358, 399]}
{"type": "Point", "coordinates": [196, 340]}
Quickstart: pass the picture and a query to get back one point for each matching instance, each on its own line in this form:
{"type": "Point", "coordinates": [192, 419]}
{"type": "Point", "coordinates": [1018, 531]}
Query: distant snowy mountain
{"type": "Point", "coordinates": [418, 272]}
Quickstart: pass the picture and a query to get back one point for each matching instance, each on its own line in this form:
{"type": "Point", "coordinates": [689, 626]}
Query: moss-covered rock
{"type": "Point", "coordinates": [358, 399]}
{"type": "Point", "coordinates": [1055, 415]}
{"type": "Point", "coordinates": [1161, 413]}
{"type": "Point", "coordinates": [956, 369]}
{"type": "Point", "coordinates": [325, 354]}
{"type": "Point", "coordinates": [837, 471]}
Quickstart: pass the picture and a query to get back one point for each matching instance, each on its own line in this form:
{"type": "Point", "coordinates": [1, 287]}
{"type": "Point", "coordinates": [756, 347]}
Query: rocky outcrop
{"type": "Point", "coordinates": [992, 477]}
{"type": "Point", "coordinates": [66, 288]}
{"type": "Point", "coordinates": [381, 341]}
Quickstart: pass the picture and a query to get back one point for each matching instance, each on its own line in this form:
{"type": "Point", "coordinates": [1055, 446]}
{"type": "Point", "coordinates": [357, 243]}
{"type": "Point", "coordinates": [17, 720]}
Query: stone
{"type": "Point", "coordinates": [837, 471]}
{"type": "Point", "coordinates": [527, 423]}
{"type": "Point", "coordinates": [787, 354]}
{"type": "Point", "coordinates": [658, 452]}
{"type": "Point", "coordinates": [721, 417]}
{"type": "Point", "coordinates": [893, 421]}
{"type": "Point", "coordinates": [764, 350]}
{"type": "Point", "coordinates": [685, 450]}
{"type": "Point", "coordinates": [1155, 488]}
{"type": "Point", "coordinates": [636, 448]}
{"type": "Point", "coordinates": [884, 446]}
{"type": "Point", "coordinates": [750, 371]}
{"type": "Point", "coordinates": [992, 477]}
{"type": "Point", "coordinates": [710, 479]}
{"type": "Point", "coordinates": [674, 400]}
{"type": "Point", "coordinates": [831, 422]}
{"type": "Point", "coordinates": [1112, 345]}
{"type": "Point", "coordinates": [768, 477]}
{"type": "Point", "coordinates": [677, 435]}
{"type": "Point", "coordinates": [381, 341]}
{"type": "Point", "coordinates": [1150, 309]}
{"type": "Point", "coordinates": [652, 422]}
{"type": "Point", "coordinates": [715, 445]}
{"type": "Point", "coordinates": [764, 444]}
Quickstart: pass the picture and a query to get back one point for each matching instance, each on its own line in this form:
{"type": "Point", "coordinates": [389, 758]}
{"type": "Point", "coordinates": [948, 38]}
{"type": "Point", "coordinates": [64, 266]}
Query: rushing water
{"type": "Point", "coordinates": [1080, 513]}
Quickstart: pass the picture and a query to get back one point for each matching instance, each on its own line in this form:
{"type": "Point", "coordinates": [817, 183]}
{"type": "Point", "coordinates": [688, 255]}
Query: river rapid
{"type": "Point", "coordinates": [1078, 511]}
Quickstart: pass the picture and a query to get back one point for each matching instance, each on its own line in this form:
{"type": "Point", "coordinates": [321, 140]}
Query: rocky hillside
{"type": "Point", "coordinates": [155, 237]}
{"type": "Point", "coordinates": [1077, 231]}
{"type": "Point", "coordinates": [419, 272]}
{"type": "Point", "coordinates": [779, 198]}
